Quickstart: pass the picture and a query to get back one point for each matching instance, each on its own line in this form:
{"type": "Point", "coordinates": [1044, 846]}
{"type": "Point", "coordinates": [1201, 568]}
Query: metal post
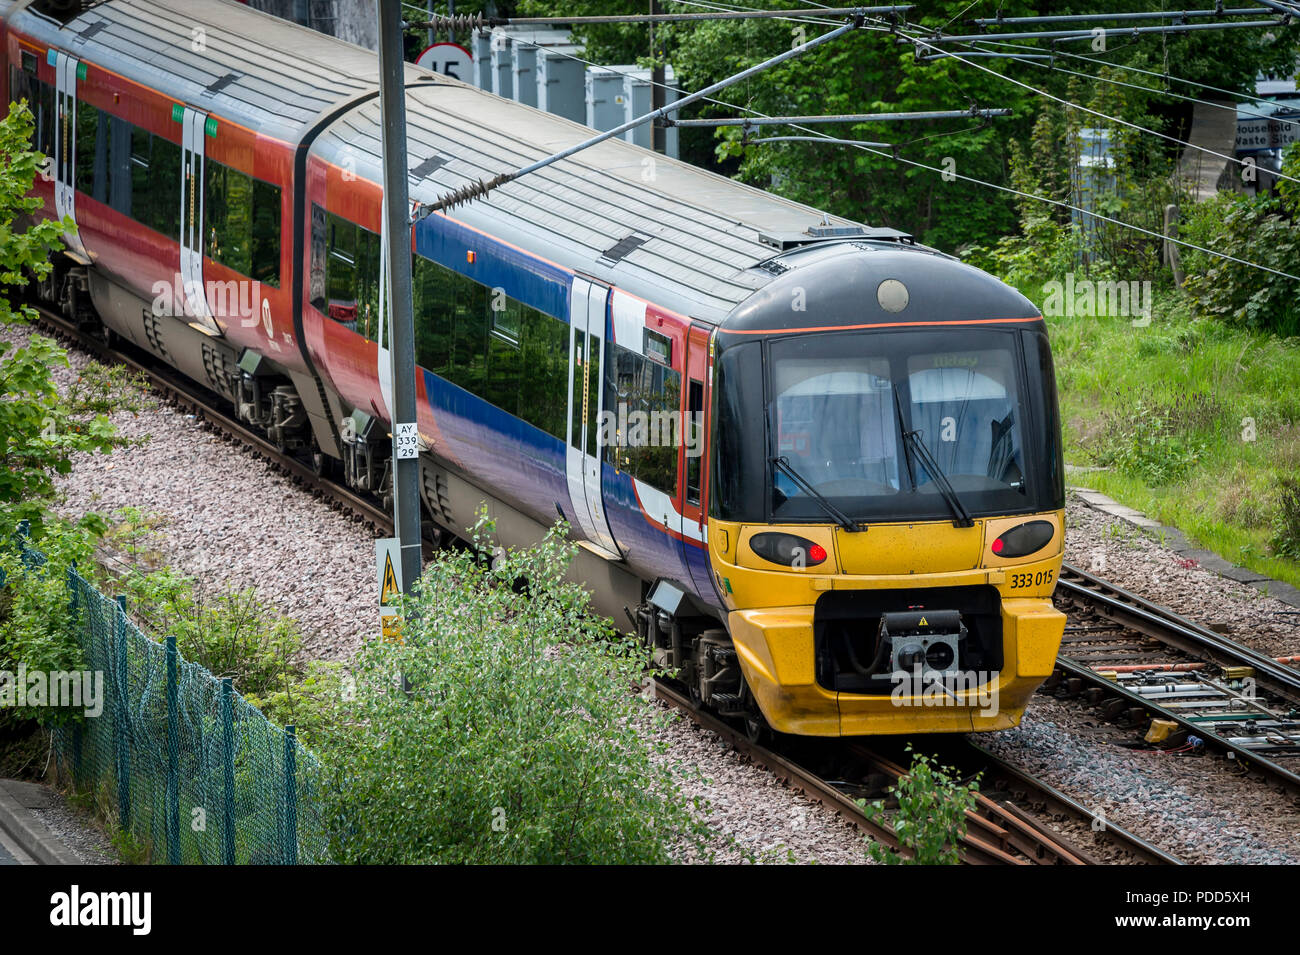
{"type": "Point", "coordinates": [658, 78]}
{"type": "Point", "coordinates": [173, 758]}
{"type": "Point", "coordinates": [74, 607]}
{"type": "Point", "coordinates": [392, 105]}
{"type": "Point", "coordinates": [121, 708]}
{"type": "Point", "coordinates": [290, 795]}
{"type": "Point", "coordinates": [228, 771]}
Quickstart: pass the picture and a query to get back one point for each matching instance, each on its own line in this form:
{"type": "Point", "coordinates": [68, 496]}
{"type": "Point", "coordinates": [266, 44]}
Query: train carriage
{"type": "Point", "coordinates": [808, 460]}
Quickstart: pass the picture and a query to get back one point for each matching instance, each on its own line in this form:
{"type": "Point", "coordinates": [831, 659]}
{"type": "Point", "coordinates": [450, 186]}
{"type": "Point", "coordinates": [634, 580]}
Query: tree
{"type": "Point", "coordinates": [873, 72]}
{"type": "Point", "coordinates": [40, 429]}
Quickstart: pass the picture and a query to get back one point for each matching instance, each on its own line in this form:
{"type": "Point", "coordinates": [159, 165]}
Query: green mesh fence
{"type": "Point", "coordinates": [195, 772]}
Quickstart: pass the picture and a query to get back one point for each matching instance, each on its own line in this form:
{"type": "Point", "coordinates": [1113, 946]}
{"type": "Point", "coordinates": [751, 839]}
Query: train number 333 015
{"type": "Point", "coordinates": [1031, 580]}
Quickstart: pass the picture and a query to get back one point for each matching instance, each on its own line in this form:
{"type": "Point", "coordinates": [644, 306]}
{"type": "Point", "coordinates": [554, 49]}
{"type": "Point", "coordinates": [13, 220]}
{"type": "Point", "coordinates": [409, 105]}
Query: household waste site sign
{"type": "Point", "coordinates": [388, 569]}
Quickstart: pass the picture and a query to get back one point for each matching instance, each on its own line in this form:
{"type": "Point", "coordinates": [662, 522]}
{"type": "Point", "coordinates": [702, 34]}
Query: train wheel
{"type": "Point", "coordinates": [757, 730]}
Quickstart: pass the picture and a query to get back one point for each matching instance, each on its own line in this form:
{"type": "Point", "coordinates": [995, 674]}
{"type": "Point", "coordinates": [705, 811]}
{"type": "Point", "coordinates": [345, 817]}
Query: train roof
{"type": "Point", "coordinates": [253, 68]}
{"type": "Point", "coordinates": [672, 233]}
{"type": "Point", "coordinates": [701, 234]}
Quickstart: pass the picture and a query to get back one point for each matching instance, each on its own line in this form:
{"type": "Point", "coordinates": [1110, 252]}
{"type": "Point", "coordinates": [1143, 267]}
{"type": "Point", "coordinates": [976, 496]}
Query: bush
{"type": "Point", "coordinates": [1155, 440]}
{"type": "Point", "coordinates": [931, 817]}
{"type": "Point", "coordinates": [233, 634]}
{"type": "Point", "coordinates": [517, 741]}
{"type": "Point", "coordinates": [1255, 230]}
{"type": "Point", "coordinates": [36, 618]}
{"type": "Point", "coordinates": [1286, 526]}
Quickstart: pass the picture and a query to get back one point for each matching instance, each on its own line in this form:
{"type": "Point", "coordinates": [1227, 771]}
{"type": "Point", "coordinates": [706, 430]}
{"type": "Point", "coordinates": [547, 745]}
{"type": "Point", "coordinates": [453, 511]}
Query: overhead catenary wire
{"type": "Point", "coordinates": [479, 21]}
{"type": "Point", "coordinates": [1067, 35]}
{"type": "Point", "coordinates": [867, 147]}
{"type": "Point", "coordinates": [840, 118]}
{"type": "Point", "coordinates": [1092, 17]}
{"type": "Point", "coordinates": [815, 135]}
{"type": "Point", "coordinates": [1036, 59]}
{"type": "Point", "coordinates": [1168, 78]}
{"type": "Point", "coordinates": [480, 188]}
{"type": "Point", "coordinates": [1098, 113]}
{"type": "Point", "coordinates": [894, 156]}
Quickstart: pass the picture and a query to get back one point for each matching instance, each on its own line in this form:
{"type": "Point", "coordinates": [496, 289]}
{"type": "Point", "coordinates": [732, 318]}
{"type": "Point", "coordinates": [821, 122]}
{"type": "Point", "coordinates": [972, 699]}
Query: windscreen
{"type": "Point", "coordinates": [862, 420]}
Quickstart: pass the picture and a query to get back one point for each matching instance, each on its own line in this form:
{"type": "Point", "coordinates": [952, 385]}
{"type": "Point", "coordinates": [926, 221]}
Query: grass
{"type": "Point", "coordinates": [1196, 422]}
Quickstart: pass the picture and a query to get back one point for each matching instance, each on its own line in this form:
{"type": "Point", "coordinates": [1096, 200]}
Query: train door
{"type": "Point", "coordinates": [65, 144]}
{"type": "Point", "coordinates": [588, 308]}
{"type": "Point", "coordinates": [694, 456]}
{"type": "Point", "coordinates": [193, 129]}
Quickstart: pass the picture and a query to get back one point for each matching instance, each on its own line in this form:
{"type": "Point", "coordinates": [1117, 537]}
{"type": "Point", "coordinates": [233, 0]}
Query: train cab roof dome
{"type": "Point", "coordinates": [861, 284]}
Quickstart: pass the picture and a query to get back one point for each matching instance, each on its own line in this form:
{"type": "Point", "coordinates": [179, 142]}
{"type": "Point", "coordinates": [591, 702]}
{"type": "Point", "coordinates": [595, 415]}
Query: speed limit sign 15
{"type": "Point", "coordinates": [449, 59]}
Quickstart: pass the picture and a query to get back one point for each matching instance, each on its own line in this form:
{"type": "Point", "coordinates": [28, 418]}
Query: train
{"type": "Point", "coordinates": [815, 465]}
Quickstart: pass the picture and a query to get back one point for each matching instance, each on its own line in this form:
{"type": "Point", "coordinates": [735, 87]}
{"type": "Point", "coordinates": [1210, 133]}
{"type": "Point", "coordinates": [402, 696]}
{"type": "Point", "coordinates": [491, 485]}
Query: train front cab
{"type": "Point", "coordinates": [905, 617]}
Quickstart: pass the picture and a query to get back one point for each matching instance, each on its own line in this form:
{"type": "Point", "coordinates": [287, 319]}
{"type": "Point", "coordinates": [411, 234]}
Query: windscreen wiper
{"type": "Point", "coordinates": [912, 440]}
{"type": "Point", "coordinates": [836, 514]}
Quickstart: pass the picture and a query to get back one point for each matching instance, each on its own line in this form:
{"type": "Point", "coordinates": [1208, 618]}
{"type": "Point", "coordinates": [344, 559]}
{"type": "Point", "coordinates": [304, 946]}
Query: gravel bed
{"type": "Point", "coordinates": [754, 818]}
{"type": "Point", "coordinates": [78, 831]}
{"type": "Point", "coordinates": [231, 520]}
{"type": "Point", "coordinates": [1194, 807]}
{"type": "Point", "coordinates": [1112, 548]}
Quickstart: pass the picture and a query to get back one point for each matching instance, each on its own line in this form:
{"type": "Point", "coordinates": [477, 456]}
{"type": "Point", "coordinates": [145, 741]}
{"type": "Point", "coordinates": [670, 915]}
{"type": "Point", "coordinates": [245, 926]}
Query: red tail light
{"type": "Point", "coordinates": [1024, 539]}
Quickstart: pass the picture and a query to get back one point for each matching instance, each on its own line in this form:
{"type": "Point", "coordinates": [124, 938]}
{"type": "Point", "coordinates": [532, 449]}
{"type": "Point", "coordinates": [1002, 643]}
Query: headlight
{"type": "Point", "coordinates": [788, 549]}
{"type": "Point", "coordinates": [1024, 539]}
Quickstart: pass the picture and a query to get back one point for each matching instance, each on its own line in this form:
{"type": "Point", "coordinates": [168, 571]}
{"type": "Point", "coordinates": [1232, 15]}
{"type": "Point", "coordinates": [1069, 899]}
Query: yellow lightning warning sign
{"type": "Point", "coordinates": [388, 564]}
{"type": "Point", "coordinates": [389, 592]}
{"type": "Point", "coordinates": [923, 623]}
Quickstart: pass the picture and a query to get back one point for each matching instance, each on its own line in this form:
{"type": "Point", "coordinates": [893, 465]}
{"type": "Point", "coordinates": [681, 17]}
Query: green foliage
{"type": "Point", "coordinates": [37, 629]}
{"type": "Point", "coordinates": [931, 818]}
{"type": "Point", "coordinates": [1158, 440]}
{"type": "Point", "coordinates": [307, 701]}
{"type": "Point", "coordinates": [870, 71]}
{"type": "Point", "coordinates": [40, 429]}
{"type": "Point", "coordinates": [130, 848]}
{"type": "Point", "coordinates": [232, 634]}
{"type": "Point", "coordinates": [1286, 526]}
{"type": "Point", "coordinates": [518, 739]}
{"type": "Point", "coordinates": [1263, 230]}
{"type": "Point", "coordinates": [22, 250]}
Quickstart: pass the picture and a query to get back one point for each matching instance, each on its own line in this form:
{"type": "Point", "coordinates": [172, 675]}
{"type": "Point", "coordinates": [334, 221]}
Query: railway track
{"type": "Point", "coordinates": [1006, 828]}
{"type": "Point", "coordinates": [1001, 831]}
{"type": "Point", "coordinates": [1138, 662]}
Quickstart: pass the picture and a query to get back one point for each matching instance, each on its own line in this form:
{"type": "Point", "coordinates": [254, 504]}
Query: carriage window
{"type": "Point", "coordinates": [241, 218]}
{"type": "Point", "coordinates": [351, 279]}
{"type": "Point", "coordinates": [497, 348]}
{"type": "Point", "coordinates": [266, 233]}
{"type": "Point", "coordinates": [695, 440]}
{"type": "Point", "coordinates": [964, 404]}
{"type": "Point", "coordinates": [92, 151]}
{"type": "Point", "coordinates": [642, 404]}
{"type": "Point", "coordinates": [24, 85]}
{"type": "Point", "coordinates": [155, 171]}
